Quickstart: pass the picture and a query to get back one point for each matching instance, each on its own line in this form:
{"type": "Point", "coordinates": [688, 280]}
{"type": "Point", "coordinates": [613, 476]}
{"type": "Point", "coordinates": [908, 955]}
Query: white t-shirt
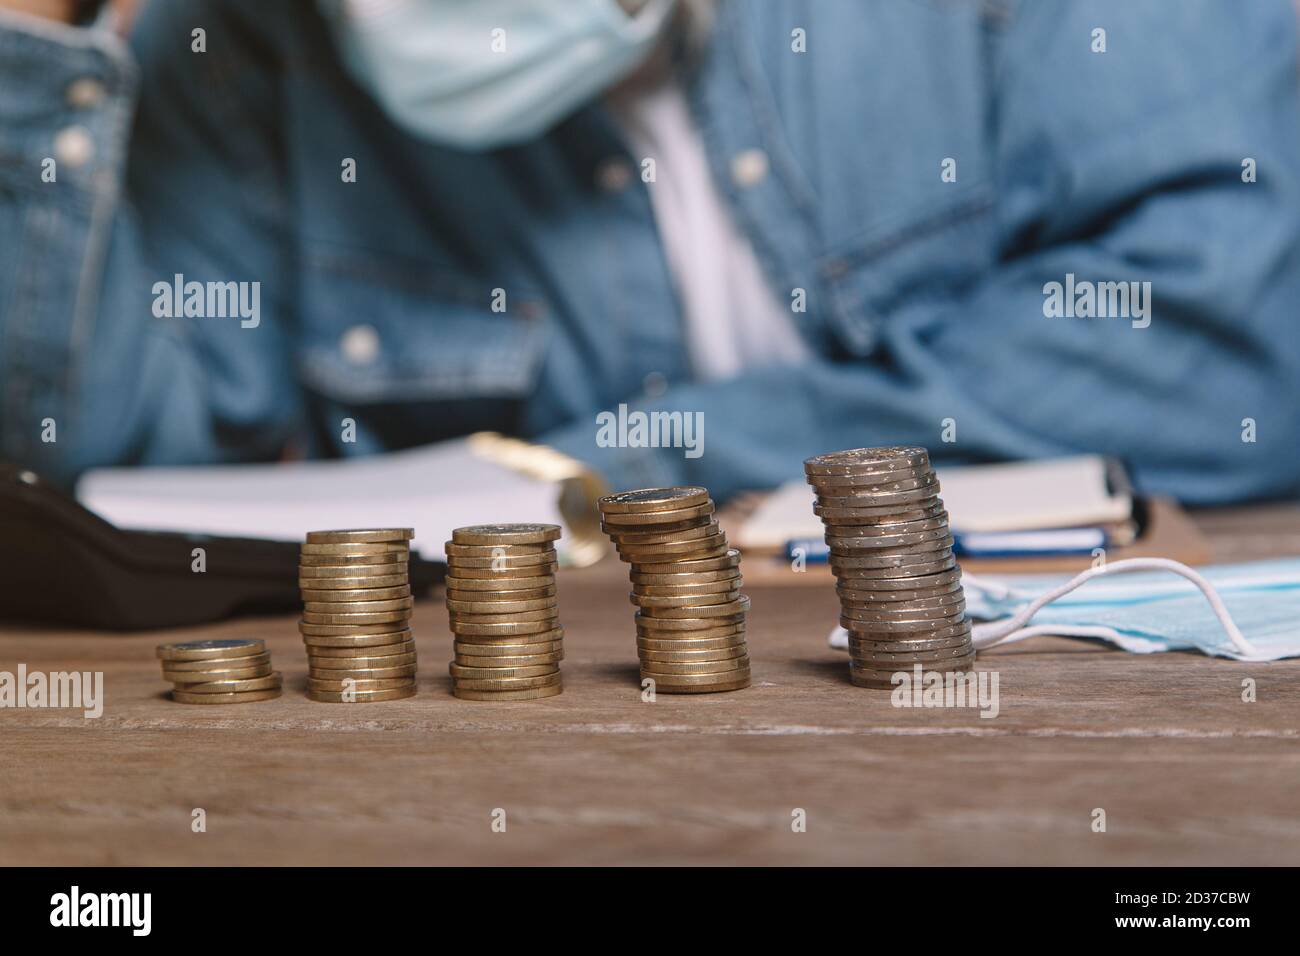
{"type": "Point", "coordinates": [733, 318]}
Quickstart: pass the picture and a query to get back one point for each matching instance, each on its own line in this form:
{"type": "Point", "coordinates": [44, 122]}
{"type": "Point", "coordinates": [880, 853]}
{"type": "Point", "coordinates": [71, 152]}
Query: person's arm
{"type": "Point", "coordinates": [121, 169]}
{"type": "Point", "coordinates": [1128, 168]}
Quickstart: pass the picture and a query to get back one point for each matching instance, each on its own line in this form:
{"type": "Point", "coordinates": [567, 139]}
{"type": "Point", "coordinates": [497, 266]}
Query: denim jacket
{"type": "Point", "coordinates": [919, 179]}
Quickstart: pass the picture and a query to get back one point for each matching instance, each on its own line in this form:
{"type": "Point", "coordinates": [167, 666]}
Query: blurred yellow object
{"type": "Point", "coordinates": [580, 488]}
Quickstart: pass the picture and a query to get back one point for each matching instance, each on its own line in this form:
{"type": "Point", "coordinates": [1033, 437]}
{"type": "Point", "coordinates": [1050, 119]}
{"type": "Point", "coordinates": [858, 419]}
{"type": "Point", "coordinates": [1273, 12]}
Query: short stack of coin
{"type": "Point", "coordinates": [219, 672]}
{"type": "Point", "coordinates": [899, 585]}
{"type": "Point", "coordinates": [501, 603]}
{"type": "Point", "coordinates": [690, 617]}
{"type": "Point", "coordinates": [356, 593]}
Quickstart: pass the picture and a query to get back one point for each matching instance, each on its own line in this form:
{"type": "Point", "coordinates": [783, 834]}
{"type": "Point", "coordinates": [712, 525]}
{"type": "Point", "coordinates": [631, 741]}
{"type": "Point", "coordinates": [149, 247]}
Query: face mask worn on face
{"type": "Point", "coordinates": [1250, 612]}
{"type": "Point", "coordinates": [478, 74]}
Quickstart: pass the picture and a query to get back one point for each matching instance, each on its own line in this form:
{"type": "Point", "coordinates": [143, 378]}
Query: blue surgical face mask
{"type": "Point", "coordinates": [1249, 612]}
{"type": "Point", "coordinates": [478, 74]}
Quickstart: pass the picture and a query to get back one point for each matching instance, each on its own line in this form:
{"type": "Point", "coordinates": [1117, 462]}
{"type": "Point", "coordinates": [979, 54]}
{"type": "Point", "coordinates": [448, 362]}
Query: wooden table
{"type": "Point", "coordinates": [1186, 772]}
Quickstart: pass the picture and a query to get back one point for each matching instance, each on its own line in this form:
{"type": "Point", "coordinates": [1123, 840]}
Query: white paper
{"type": "Point", "coordinates": [1017, 496]}
{"type": "Point", "coordinates": [433, 489]}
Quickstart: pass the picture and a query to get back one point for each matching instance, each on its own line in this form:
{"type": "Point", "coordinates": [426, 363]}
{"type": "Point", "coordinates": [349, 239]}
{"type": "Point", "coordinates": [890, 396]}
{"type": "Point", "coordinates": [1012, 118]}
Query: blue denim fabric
{"type": "Point", "coordinates": [925, 298]}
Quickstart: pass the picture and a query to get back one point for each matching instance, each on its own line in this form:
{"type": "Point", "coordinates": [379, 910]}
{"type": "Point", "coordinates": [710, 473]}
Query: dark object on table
{"type": "Point", "coordinates": [61, 563]}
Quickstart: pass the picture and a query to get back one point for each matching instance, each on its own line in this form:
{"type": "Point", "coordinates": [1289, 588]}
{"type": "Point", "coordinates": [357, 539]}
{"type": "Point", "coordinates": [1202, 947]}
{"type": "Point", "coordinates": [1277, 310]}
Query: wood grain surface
{"type": "Point", "coordinates": [1186, 771]}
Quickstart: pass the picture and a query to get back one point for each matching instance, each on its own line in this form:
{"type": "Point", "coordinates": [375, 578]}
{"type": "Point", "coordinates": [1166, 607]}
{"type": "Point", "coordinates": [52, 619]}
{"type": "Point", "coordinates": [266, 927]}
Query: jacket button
{"type": "Point", "coordinates": [74, 146]}
{"type": "Point", "coordinates": [85, 92]}
{"type": "Point", "coordinates": [613, 175]}
{"type": "Point", "coordinates": [749, 168]}
{"type": "Point", "coordinates": [360, 344]}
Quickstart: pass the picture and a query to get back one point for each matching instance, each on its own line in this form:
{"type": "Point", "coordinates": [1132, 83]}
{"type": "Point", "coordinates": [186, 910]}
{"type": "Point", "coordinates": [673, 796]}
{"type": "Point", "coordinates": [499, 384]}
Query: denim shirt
{"type": "Point", "coordinates": [917, 178]}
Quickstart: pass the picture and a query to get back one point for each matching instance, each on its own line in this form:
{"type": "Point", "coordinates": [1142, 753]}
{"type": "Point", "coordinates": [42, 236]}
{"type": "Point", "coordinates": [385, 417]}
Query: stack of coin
{"type": "Point", "coordinates": [356, 615]}
{"type": "Point", "coordinates": [508, 642]}
{"type": "Point", "coordinates": [690, 617]}
{"type": "Point", "coordinates": [219, 672]}
{"type": "Point", "coordinates": [899, 585]}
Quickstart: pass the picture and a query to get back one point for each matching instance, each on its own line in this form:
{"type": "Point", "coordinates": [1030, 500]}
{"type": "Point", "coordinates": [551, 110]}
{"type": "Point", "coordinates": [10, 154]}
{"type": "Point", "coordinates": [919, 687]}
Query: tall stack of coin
{"type": "Point", "coordinates": [508, 642]}
{"type": "Point", "coordinates": [899, 585]}
{"type": "Point", "coordinates": [219, 672]}
{"type": "Point", "coordinates": [690, 617]}
{"type": "Point", "coordinates": [356, 594]}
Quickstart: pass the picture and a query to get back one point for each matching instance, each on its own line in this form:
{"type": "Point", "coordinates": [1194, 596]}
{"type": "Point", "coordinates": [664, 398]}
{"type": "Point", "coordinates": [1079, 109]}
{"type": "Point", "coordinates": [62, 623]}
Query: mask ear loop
{"type": "Point", "coordinates": [1015, 628]}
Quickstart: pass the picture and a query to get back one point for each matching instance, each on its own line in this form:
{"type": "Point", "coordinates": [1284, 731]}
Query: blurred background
{"type": "Point", "coordinates": [631, 243]}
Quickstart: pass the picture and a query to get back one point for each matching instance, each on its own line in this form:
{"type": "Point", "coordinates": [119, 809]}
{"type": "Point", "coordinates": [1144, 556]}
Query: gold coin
{"type": "Point", "coordinates": [498, 597]}
{"type": "Point", "coordinates": [499, 608]}
{"type": "Point", "coordinates": [652, 518]}
{"type": "Point", "coordinates": [547, 613]}
{"type": "Point", "coordinates": [884, 678]}
{"type": "Point", "coordinates": [506, 650]}
{"type": "Point", "coordinates": [490, 534]}
{"type": "Point", "coordinates": [685, 600]}
{"type": "Point", "coordinates": [311, 564]}
{"type": "Point", "coordinates": [365, 639]}
{"type": "Point", "coordinates": [242, 697]}
{"type": "Point", "coordinates": [727, 609]}
{"type": "Point", "coordinates": [218, 663]}
{"type": "Point", "coordinates": [358, 607]}
{"type": "Point", "coordinates": [229, 673]}
{"type": "Point", "coordinates": [349, 630]}
{"type": "Point", "coordinates": [651, 645]}
{"type": "Point", "coordinates": [391, 569]}
{"type": "Point", "coordinates": [503, 574]}
{"type": "Point", "coordinates": [209, 650]}
{"type": "Point", "coordinates": [700, 634]}
{"type": "Point", "coordinates": [651, 657]}
{"type": "Point", "coordinates": [857, 461]}
{"type": "Point", "coordinates": [317, 656]}
{"type": "Point", "coordinates": [355, 584]}
{"type": "Point", "coordinates": [379, 617]}
{"type": "Point", "coordinates": [357, 684]}
{"type": "Point", "coordinates": [706, 688]}
{"type": "Point", "coordinates": [503, 562]}
{"type": "Point", "coordinates": [701, 579]}
{"type": "Point", "coordinates": [502, 630]}
{"type": "Point", "coordinates": [660, 669]}
{"type": "Point", "coordinates": [535, 693]}
{"type": "Point", "coordinates": [662, 552]}
{"type": "Point", "coordinates": [649, 626]}
{"type": "Point", "coordinates": [481, 673]}
{"type": "Point", "coordinates": [360, 662]}
{"type": "Point", "coordinates": [363, 535]}
{"type": "Point", "coordinates": [668, 566]}
{"type": "Point", "coordinates": [233, 686]}
{"type": "Point", "coordinates": [694, 680]}
{"type": "Point", "coordinates": [499, 585]}
{"type": "Point", "coordinates": [362, 673]}
{"type": "Point", "coordinates": [553, 635]}
{"type": "Point", "coordinates": [654, 499]}
{"type": "Point", "coordinates": [528, 660]}
{"type": "Point", "coordinates": [510, 683]}
{"type": "Point", "coordinates": [356, 594]}
{"type": "Point", "coordinates": [670, 533]}
{"type": "Point", "coordinates": [356, 548]}
{"type": "Point", "coordinates": [858, 645]}
{"type": "Point", "coordinates": [359, 696]}
{"type": "Point", "coordinates": [455, 550]}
